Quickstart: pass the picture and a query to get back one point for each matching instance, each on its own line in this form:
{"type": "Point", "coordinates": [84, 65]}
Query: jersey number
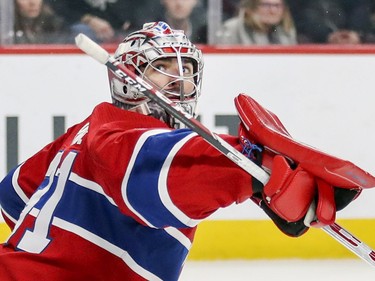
{"type": "Point", "coordinates": [36, 240]}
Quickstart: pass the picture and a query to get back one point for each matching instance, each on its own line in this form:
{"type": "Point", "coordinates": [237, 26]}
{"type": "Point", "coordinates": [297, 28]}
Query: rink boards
{"type": "Point", "coordinates": [260, 239]}
{"type": "Point", "coordinates": [323, 99]}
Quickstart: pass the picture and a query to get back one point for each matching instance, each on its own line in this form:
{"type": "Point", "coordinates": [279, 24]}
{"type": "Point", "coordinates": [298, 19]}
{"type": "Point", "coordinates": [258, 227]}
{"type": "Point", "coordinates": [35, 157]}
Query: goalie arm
{"type": "Point", "coordinates": [98, 53]}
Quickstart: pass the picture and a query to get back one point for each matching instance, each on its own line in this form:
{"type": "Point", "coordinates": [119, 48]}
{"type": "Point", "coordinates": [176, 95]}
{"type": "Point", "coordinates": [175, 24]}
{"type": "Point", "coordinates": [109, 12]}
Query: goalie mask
{"type": "Point", "coordinates": [166, 59]}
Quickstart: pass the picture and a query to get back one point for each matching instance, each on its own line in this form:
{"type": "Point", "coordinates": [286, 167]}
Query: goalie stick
{"type": "Point", "coordinates": [102, 56]}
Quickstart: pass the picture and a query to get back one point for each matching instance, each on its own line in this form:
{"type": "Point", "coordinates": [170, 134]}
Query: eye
{"type": "Point", "coordinates": [187, 68]}
{"type": "Point", "coordinates": [160, 66]}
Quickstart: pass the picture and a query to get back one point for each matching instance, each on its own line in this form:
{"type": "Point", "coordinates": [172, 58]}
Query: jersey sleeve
{"type": "Point", "coordinates": [163, 177]}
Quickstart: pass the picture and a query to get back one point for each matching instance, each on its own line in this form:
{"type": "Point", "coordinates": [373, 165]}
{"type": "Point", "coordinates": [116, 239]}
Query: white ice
{"type": "Point", "coordinates": [279, 270]}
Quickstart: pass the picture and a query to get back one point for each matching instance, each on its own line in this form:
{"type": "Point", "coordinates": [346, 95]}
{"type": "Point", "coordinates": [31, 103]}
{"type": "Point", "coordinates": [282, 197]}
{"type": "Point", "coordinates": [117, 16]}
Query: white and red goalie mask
{"type": "Point", "coordinates": [142, 50]}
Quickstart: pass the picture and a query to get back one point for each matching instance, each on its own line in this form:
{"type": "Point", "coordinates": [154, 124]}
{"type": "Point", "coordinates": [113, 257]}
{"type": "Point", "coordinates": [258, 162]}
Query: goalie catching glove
{"type": "Point", "coordinates": [306, 186]}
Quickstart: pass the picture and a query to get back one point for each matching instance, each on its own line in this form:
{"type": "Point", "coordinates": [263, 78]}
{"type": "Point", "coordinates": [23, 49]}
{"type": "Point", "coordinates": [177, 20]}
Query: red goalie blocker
{"type": "Point", "coordinates": [336, 182]}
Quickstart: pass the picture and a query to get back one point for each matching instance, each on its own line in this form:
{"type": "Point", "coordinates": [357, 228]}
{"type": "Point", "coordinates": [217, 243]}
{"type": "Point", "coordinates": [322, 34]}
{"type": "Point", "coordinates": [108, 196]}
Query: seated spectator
{"type": "Point", "coordinates": [186, 15]}
{"type": "Point", "coordinates": [36, 23]}
{"type": "Point", "coordinates": [332, 21]}
{"type": "Point", "coordinates": [106, 21]}
{"type": "Point", "coordinates": [260, 22]}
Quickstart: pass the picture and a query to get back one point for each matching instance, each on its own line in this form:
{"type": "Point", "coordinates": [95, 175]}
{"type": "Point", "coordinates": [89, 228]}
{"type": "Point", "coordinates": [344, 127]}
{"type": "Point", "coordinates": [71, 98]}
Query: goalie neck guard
{"type": "Point", "coordinates": [141, 52]}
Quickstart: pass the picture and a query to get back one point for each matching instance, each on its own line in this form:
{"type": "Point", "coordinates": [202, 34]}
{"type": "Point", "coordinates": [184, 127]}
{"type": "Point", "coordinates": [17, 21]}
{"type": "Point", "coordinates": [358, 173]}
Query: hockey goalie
{"type": "Point", "coordinates": [119, 196]}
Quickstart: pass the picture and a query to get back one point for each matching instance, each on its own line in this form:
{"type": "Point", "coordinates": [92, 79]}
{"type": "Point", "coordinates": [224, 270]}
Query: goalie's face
{"type": "Point", "coordinates": [168, 61]}
{"type": "Point", "coordinates": [173, 77]}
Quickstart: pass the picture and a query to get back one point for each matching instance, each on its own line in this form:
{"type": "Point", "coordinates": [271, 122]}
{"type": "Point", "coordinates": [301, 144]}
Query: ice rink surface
{"type": "Point", "coordinates": [279, 270]}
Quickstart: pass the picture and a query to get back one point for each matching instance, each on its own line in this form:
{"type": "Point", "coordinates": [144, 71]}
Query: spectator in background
{"type": "Point", "coordinates": [332, 21]}
{"type": "Point", "coordinates": [186, 15]}
{"type": "Point", "coordinates": [105, 21]}
{"type": "Point", "coordinates": [36, 23]}
{"type": "Point", "coordinates": [260, 22]}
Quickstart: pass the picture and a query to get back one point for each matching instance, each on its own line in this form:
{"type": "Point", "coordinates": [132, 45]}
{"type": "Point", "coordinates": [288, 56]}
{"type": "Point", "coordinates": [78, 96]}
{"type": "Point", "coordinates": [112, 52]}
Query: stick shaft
{"type": "Point", "coordinates": [352, 243]}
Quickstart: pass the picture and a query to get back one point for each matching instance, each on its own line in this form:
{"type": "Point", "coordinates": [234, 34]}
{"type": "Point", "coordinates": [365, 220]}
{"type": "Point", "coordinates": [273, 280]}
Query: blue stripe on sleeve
{"type": "Point", "coordinates": [142, 186]}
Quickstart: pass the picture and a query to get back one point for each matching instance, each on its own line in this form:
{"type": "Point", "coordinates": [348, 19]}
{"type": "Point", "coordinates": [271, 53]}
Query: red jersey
{"type": "Point", "coordinates": [117, 197]}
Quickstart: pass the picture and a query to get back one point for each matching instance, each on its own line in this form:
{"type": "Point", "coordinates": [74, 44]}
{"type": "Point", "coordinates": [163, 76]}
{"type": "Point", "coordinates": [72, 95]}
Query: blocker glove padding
{"type": "Point", "coordinates": [303, 179]}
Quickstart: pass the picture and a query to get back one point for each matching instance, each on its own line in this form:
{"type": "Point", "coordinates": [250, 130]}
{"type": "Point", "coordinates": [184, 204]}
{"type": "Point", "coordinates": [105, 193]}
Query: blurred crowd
{"type": "Point", "coordinates": [243, 22]}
